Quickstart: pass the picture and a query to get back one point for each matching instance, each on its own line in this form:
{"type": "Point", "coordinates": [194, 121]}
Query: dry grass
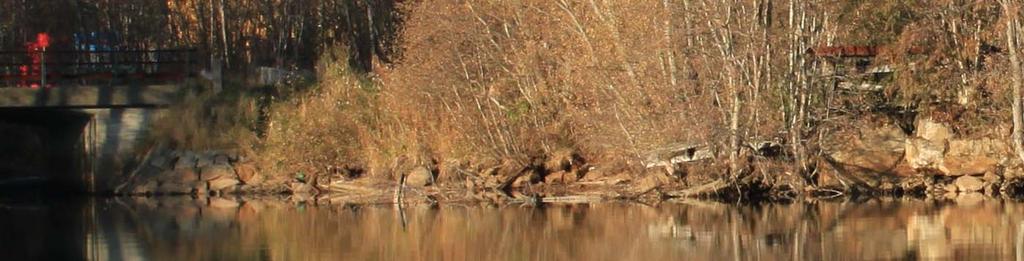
{"type": "Point", "coordinates": [491, 81]}
{"type": "Point", "coordinates": [335, 123]}
{"type": "Point", "coordinates": [204, 121]}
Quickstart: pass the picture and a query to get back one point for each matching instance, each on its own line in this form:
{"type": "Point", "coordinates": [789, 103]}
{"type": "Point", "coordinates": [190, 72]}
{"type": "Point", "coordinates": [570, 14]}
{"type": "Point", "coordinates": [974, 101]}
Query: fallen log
{"type": "Point", "coordinates": [573, 199]}
{"type": "Point", "coordinates": [353, 188]}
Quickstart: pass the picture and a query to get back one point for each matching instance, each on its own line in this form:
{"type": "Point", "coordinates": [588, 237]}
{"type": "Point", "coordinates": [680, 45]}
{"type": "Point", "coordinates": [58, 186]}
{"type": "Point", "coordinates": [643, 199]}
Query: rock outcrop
{"type": "Point", "coordinates": [935, 149]}
{"type": "Point", "coordinates": [923, 155]}
{"type": "Point", "coordinates": [928, 129]}
{"type": "Point", "coordinates": [974, 157]}
{"type": "Point", "coordinates": [932, 150]}
{"type": "Point", "coordinates": [875, 151]}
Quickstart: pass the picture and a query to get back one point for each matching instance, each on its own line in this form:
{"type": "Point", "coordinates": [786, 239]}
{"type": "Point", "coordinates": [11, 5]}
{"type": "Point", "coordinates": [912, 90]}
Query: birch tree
{"type": "Point", "coordinates": [1012, 18]}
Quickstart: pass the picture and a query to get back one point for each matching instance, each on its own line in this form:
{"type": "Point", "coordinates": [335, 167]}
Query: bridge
{"type": "Point", "coordinates": [77, 118]}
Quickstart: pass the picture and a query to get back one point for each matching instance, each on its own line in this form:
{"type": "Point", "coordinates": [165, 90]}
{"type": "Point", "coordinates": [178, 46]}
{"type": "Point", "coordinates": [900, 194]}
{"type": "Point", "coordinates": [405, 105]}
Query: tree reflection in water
{"type": "Point", "coordinates": [183, 228]}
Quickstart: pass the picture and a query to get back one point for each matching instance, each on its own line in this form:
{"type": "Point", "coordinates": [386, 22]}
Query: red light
{"type": "Point", "coordinates": [43, 40]}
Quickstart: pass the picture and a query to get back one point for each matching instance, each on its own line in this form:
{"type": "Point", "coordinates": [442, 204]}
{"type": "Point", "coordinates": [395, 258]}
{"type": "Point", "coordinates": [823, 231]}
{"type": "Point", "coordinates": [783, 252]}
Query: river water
{"type": "Point", "coordinates": [186, 228]}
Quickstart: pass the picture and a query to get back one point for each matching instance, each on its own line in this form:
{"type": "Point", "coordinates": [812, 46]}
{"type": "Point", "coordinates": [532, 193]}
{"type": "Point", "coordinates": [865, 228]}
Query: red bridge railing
{"type": "Point", "coordinates": [35, 69]}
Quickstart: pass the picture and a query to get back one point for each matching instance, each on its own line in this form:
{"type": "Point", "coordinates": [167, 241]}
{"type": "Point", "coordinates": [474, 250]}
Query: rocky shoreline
{"type": "Point", "coordinates": [930, 160]}
{"type": "Point", "coordinates": [875, 161]}
{"type": "Point", "coordinates": [181, 172]}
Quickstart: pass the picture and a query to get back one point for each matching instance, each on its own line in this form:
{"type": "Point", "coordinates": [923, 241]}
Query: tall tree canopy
{"type": "Point", "coordinates": [241, 32]}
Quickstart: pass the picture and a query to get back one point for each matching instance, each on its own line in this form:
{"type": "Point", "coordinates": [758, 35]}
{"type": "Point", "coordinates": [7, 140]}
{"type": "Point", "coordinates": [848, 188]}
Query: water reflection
{"type": "Point", "coordinates": [182, 228]}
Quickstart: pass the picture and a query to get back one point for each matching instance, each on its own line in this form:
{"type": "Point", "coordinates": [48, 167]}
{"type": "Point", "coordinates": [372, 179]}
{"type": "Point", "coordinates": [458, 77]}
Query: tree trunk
{"type": "Point", "coordinates": [670, 51]}
{"type": "Point", "coordinates": [1010, 10]}
{"type": "Point", "coordinates": [211, 41]}
{"type": "Point", "coordinates": [734, 129]}
{"type": "Point", "coordinates": [224, 35]}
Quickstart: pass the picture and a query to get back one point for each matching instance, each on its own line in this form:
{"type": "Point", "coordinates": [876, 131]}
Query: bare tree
{"type": "Point", "coordinates": [669, 52]}
{"type": "Point", "coordinates": [1010, 10]}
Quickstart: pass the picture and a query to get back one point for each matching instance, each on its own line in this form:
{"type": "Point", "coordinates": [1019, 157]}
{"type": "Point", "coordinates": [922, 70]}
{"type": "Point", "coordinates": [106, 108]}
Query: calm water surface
{"type": "Point", "coordinates": [183, 228]}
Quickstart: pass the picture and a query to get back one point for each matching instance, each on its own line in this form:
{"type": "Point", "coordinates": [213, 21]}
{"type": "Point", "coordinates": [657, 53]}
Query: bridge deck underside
{"type": "Point", "coordinates": [90, 96]}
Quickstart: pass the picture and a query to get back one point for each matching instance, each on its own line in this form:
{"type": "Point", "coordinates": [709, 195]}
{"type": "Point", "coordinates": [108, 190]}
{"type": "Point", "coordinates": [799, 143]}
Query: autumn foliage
{"type": "Point", "coordinates": [482, 81]}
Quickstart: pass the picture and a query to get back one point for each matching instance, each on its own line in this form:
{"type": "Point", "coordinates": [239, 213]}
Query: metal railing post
{"type": "Point", "coordinates": [42, 68]}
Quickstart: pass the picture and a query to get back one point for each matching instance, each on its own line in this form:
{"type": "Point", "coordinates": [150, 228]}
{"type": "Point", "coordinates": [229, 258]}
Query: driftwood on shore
{"type": "Point", "coordinates": [353, 188]}
{"type": "Point", "coordinates": [572, 199]}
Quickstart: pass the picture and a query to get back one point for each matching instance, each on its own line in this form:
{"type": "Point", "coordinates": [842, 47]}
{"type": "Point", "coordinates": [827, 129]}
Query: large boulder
{"type": "Point", "coordinates": [885, 138]}
{"type": "Point", "coordinates": [969, 184]}
{"type": "Point", "coordinates": [247, 174]}
{"type": "Point", "coordinates": [957, 157]}
{"type": "Point", "coordinates": [213, 172]}
{"type": "Point", "coordinates": [928, 129]}
{"type": "Point", "coordinates": [934, 148]}
{"type": "Point", "coordinates": [874, 161]}
{"type": "Point", "coordinates": [926, 150]}
{"type": "Point", "coordinates": [991, 178]}
{"type": "Point", "coordinates": [222, 183]}
{"type": "Point", "coordinates": [976, 156]}
{"type": "Point", "coordinates": [877, 150]}
{"type": "Point", "coordinates": [923, 154]}
{"type": "Point", "coordinates": [995, 148]}
{"type": "Point", "coordinates": [968, 166]}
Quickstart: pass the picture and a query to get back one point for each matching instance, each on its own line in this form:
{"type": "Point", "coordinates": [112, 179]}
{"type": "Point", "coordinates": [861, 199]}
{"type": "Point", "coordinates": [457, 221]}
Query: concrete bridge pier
{"type": "Point", "coordinates": [77, 138]}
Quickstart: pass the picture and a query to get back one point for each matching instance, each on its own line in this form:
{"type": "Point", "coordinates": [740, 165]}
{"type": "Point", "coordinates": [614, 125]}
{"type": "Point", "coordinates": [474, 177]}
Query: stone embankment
{"type": "Point", "coordinates": [932, 157]}
{"type": "Point", "coordinates": [172, 172]}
